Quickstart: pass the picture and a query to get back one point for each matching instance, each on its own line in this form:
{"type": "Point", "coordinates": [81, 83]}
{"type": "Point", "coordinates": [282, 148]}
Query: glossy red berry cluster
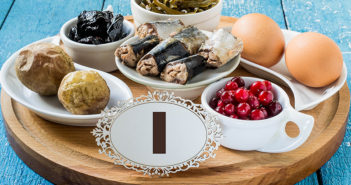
{"type": "Point", "coordinates": [253, 103]}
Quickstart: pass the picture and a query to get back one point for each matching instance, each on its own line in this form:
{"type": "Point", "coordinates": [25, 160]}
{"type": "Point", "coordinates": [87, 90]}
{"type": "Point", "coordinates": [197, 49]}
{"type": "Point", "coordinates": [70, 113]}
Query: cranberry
{"type": "Point", "coordinates": [274, 108]}
{"type": "Point", "coordinates": [229, 109]}
{"type": "Point", "coordinates": [239, 81]}
{"type": "Point", "coordinates": [257, 114]}
{"type": "Point", "coordinates": [220, 103]}
{"type": "Point", "coordinates": [231, 85]}
{"type": "Point", "coordinates": [226, 97]}
{"type": "Point", "coordinates": [220, 110]}
{"type": "Point", "coordinates": [219, 92]}
{"type": "Point", "coordinates": [264, 110]}
{"type": "Point", "coordinates": [213, 102]}
{"type": "Point", "coordinates": [253, 102]}
{"type": "Point", "coordinates": [241, 95]}
{"type": "Point", "coordinates": [243, 110]}
{"type": "Point", "coordinates": [265, 97]}
{"type": "Point", "coordinates": [257, 87]}
{"type": "Point", "coordinates": [234, 116]}
{"type": "Point", "coordinates": [268, 85]}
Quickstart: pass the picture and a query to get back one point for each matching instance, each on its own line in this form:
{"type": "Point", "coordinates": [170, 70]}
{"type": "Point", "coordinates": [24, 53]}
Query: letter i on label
{"type": "Point", "coordinates": [159, 132]}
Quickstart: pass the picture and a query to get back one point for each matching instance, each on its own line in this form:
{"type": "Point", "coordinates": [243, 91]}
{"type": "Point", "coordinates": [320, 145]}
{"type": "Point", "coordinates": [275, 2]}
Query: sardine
{"type": "Point", "coordinates": [130, 54]}
{"type": "Point", "coordinates": [162, 29]}
{"type": "Point", "coordinates": [183, 70]}
{"type": "Point", "coordinates": [192, 38]}
{"type": "Point", "coordinates": [155, 61]}
{"type": "Point", "coordinates": [221, 48]}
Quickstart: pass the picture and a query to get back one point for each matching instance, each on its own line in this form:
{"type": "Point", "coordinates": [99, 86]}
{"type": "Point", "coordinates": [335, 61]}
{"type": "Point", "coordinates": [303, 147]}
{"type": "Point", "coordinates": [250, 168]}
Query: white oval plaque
{"type": "Point", "coordinates": [158, 134]}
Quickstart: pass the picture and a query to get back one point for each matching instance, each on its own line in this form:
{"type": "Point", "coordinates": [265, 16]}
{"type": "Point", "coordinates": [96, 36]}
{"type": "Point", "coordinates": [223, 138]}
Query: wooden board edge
{"type": "Point", "coordinates": [34, 159]}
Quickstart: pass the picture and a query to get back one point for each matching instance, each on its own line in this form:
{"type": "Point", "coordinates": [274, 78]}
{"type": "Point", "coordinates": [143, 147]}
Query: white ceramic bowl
{"type": "Point", "coordinates": [49, 107]}
{"type": "Point", "coordinates": [206, 20]}
{"type": "Point", "coordinates": [262, 135]}
{"type": "Point", "coordinates": [99, 57]}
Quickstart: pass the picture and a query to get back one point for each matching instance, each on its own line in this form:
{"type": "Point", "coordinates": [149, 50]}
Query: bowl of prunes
{"type": "Point", "coordinates": [92, 37]}
{"type": "Point", "coordinates": [253, 114]}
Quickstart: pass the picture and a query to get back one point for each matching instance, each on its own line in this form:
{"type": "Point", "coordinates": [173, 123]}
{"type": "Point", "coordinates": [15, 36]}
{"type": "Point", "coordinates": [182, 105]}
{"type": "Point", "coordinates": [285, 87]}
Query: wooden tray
{"type": "Point", "coordinates": [69, 155]}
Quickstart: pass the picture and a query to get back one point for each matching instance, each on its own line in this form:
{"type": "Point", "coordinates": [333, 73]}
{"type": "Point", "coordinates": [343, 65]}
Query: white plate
{"type": "Point", "coordinates": [305, 97]}
{"type": "Point", "coordinates": [49, 107]}
{"type": "Point", "coordinates": [202, 79]}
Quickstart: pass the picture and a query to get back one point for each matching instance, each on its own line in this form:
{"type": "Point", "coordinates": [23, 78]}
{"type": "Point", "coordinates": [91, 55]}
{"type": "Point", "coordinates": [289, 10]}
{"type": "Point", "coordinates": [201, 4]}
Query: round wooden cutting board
{"type": "Point", "coordinates": [69, 155]}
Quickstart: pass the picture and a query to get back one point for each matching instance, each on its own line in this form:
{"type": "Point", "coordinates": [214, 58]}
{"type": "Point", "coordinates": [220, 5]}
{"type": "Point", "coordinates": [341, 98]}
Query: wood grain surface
{"type": "Point", "coordinates": [333, 15]}
{"type": "Point", "coordinates": [331, 18]}
{"type": "Point", "coordinates": [69, 155]}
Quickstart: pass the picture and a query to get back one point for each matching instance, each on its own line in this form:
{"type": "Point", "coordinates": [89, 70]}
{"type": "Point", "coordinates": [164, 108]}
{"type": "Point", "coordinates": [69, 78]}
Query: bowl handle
{"type": "Point", "coordinates": [282, 142]}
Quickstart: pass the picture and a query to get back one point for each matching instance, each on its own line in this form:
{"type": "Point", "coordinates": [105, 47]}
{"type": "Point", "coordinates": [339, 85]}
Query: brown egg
{"type": "Point", "coordinates": [314, 59]}
{"type": "Point", "coordinates": [263, 39]}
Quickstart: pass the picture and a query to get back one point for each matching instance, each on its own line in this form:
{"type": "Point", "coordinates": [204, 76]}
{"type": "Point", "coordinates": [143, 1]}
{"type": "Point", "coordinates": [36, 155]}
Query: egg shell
{"type": "Point", "coordinates": [263, 39]}
{"type": "Point", "coordinates": [313, 59]}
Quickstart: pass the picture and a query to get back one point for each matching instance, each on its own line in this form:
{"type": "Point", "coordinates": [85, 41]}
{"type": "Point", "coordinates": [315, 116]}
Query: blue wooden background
{"type": "Point", "coordinates": [25, 21]}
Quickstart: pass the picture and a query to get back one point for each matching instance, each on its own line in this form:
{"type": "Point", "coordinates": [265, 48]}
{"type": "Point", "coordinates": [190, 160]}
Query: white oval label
{"type": "Point", "coordinates": [158, 134]}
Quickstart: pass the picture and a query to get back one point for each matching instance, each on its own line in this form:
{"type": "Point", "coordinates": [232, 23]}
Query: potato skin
{"type": "Point", "coordinates": [41, 67]}
{"type": "Point", "coordinates": [84, 92]}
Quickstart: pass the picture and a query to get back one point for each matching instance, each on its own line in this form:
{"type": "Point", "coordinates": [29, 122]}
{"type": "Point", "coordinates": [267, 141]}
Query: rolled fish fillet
{"type": "Point", "coordinates": [192, 38]}
{"type": "Point", "coordinates": [221, 48]}
{"type": "Point", "coordinates": [183, 70]}
{"type": "Point", "coordinates": [155, 61]}
{"type": "Point", "coordinates": [162, 29]}
{"type": "Point", "coordinates": [130, 54]}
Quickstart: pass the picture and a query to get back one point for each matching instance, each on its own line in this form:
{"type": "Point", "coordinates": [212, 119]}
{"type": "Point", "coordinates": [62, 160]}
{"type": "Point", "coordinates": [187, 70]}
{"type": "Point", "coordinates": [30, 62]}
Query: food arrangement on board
{"type": "Point", "coordinates": [164, 52]}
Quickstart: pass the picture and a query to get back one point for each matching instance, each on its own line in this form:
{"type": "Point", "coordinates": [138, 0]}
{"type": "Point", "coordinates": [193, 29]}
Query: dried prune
{"type": "Point", "coordinates": [115, 31]}
{"type": "Point", "coordinates": [97, 27]}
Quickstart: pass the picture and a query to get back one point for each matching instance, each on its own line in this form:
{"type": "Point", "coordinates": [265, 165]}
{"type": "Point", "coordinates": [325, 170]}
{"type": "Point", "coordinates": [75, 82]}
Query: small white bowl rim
{"type": "Point", "coordinates": [65, 38]}
{"type": "Point", "coordinates": [176, 15]}
{"type": "Point", "coordinates": [247, 123]}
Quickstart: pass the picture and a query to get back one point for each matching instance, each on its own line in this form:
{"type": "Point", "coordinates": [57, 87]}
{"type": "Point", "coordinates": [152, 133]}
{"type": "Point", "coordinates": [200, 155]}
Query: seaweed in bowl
{"type": "Point", "coordinates": [175, 7]}
{"type": "Point", "coordinates": [97, 27]}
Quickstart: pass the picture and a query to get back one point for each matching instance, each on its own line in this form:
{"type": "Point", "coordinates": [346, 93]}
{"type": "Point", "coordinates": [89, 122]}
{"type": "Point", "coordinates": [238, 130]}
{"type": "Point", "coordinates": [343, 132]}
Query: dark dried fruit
{"type": "Point", "coordinates": [97, 27]}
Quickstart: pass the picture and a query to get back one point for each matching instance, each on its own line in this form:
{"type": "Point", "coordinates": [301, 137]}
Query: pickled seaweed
{"type": "Point", "coordinates": [97, 27]}
{"type": "Point", "coordinates": [177, 6]}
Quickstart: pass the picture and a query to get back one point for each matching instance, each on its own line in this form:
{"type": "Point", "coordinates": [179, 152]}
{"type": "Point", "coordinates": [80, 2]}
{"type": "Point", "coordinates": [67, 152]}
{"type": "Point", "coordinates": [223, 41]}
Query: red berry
{"type": "Point", "coordinates": [257, 114]}
{"type": "Point", "coordinates": [243, 110]}
{"type": "Point", "coordinates": [239, 81]}
{"type": "Point", "coordinates": [257, 87]}
{"type": "Point", "coordinates": [220, 110]}
{"type": "Point", "coordinates": [231, 86]}
{"type": "Point", "coordinates": [274, 108]}
{"type": "Point", "coordinates": [266, 97]}
{"type": "Point", "coordinates": [226, 97]}
{"type": "Point", "coordinates": [229, 109]}
{"type": "Point", "coordinates": [234, 116]}
{"type": "Point", "coordinates": [268, 85]}
{"type": "Point", "coordinates": [220, 103]}
{"type": "Point", "coordinates": [241, 95]}
{"type": "Point", "coordinates": [264, 110]}
{"type": "Point", "coordinates": [213, 102]}
{"type": "Point", "coordinates": [253, 102]}
{"type": "Point", "coordinates": [219, 93]}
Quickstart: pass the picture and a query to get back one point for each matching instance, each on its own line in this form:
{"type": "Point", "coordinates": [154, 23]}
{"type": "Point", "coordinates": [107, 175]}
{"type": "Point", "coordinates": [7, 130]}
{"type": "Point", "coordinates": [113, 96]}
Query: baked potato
{"type": "Point", "coordinates": [41, 67]}
{"type": "Point", "coordinates": [84, 92]}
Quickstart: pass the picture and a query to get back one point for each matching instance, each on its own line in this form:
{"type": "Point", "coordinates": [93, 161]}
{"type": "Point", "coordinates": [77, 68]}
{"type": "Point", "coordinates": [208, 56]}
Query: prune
{"type": "Point", "coordinates": [115, 31]}
{"type": "Point", "coordinates": [73, 34]}
{"type": "Point", "coordinates": [97, 27]}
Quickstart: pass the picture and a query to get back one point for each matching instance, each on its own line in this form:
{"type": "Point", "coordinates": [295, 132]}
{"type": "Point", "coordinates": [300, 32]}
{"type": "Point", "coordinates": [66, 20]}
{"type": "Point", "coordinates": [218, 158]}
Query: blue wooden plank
{"type": "Point", "coordinates": [4, 8]}
{"type": "Point", "coordinates": [331, 18]}
{"type": "Point", "coordinates": [28, 21]}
